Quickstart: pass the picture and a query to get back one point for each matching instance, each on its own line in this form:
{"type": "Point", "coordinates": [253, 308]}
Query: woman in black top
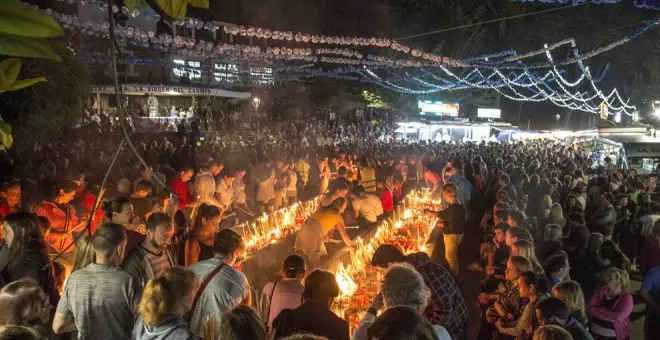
{"type": "Point", "coordinates": [199, 244]}
{"type": "Point", "coordinates": [28, 255]}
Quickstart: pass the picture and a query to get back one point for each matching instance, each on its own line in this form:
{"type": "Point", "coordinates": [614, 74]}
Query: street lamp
{"type": "Point", "coordinates": [256, 101]}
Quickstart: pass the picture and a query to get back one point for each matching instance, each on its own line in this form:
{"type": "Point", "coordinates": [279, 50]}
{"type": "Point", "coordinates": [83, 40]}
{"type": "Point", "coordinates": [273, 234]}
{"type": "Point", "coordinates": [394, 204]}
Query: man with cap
{"type": "Point", "coordinates": [285, 293]}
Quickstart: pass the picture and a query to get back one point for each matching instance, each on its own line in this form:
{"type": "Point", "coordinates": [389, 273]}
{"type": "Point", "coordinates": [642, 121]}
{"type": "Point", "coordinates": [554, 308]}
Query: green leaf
{"type": "Point", "coordinates": [23, 83]}
{"type": "Point", "coordinates": [174, 8]}
{"type": "Point", "coordinates": [9, 69]}
{"type": "Point", "coordinates": [26, 47]}
{"type": "Point", "coordinates": [6, 139]}
{"type": "Point", "coordinates": [199, 3]}
{"type": "Point", "coordinates": [130, 4]}
{"type": "Point", "coordinates": [22, 20]}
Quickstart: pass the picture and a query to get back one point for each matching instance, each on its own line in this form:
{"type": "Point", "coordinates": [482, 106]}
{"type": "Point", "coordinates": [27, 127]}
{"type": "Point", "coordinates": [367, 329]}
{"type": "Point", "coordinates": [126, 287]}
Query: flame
{"type": "Point", "coordinates": [345, 282]}
{"type": "Point", "coordinates": [408, 214]}
{"type": "Point", "coordinates": [271, 228]}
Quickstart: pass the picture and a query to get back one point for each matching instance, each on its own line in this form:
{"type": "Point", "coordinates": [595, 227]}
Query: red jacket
{"type": "Point", "coordinates": [181, 190]}
{"type": "Point", "coordinates": [387, 200]}
{"type": "Point", "coordinates": [5, 209]}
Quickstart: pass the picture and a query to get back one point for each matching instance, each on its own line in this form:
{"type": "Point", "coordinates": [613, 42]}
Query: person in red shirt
{"type": "Point", "coordinates": [10, 198]}
{"type": "Point", "coordinates": [432, 180]}
{"type": "Point", "coordinates": [180, 186]}
{"type": "Point", "coordinates": [386, 197]}
{"type": "Point", "coordinates": [63, 221]}
{"type": "Point", "coordinates": [650, 254]}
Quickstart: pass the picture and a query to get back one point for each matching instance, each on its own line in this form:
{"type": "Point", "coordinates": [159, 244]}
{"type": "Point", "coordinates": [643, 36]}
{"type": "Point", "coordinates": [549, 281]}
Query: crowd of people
{"type": "Point", "coordinates": [155, 256]}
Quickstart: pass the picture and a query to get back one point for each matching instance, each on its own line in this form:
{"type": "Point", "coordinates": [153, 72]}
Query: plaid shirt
{"type": "Point", "coordinates": [446, 307]}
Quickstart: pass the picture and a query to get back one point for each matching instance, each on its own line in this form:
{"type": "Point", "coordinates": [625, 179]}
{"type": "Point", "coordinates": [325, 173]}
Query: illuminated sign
{"type": "Point", "coordinates": [489, 113]}
{"type": "Point", "coordinates": [438, 108]}
{"type": "Point", "coordinates": [604, 110]}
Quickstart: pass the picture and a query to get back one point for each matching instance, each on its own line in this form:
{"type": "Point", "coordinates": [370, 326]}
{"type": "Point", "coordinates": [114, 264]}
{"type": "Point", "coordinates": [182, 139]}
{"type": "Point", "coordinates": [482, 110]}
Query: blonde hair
{"type": "Point", "coordinates": [571, 293]}
{"type": "Point", "coordinates": [521, 263]}
{"type": "Point", "coordinates": [162, 294]}
{"type": "Point", "coordinates": [620, 275]}
{"type": "Point", "coordinates": [552, 232]}
{"type": "Point", "coordinates": [527, 251]}
{"type": "Point", "coordinates": [551, 332]}
{"type": "Point", "coordinates": [84, 254]}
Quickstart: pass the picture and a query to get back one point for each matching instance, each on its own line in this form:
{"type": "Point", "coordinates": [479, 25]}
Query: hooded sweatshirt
{"type": "Point", "coordinates": [171, 328]}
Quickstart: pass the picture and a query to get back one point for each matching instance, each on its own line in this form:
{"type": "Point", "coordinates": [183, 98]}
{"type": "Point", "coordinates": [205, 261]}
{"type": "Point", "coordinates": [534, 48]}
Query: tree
{"type": "Point", "coordinates": [23, 33]}
{"type": "Point", "coordinates": [45, 111]}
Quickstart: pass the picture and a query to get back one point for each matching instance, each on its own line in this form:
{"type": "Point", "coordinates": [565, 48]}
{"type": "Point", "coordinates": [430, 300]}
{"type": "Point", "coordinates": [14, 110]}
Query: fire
{"type": "Point", "coordinates": [408, 229]}
{"type": "Point", "coordinates": [345, 282]}
{"type": "Point", "coordinates": [271, 228]}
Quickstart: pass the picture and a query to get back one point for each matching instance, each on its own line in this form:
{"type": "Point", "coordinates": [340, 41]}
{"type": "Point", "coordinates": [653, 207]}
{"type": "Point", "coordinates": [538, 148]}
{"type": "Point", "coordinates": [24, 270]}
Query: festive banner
{"type": "Point", "coordinates": [167, 90]}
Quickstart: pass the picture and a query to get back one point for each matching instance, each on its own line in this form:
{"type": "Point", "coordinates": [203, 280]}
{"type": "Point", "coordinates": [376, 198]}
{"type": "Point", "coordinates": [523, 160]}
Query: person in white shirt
{"type": "Point", "coordinates": [368, 207]}
{"type": "Point", "coordinates": [224, 190]}
{"type": "Point", "coordinates": [292, 188]}
{"type": "Point", "coordinates": [205, 186]}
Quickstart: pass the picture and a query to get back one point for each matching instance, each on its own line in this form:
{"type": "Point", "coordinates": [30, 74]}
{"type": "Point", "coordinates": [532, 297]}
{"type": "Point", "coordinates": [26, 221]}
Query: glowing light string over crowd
{"type": "Point", "coordinates": [646, 4]}
{"type": "Point", "coordinates": [552, 86]}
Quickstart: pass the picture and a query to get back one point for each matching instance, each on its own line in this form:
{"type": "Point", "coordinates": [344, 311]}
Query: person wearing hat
{"type": "Point", "coordinates": [285, 293]}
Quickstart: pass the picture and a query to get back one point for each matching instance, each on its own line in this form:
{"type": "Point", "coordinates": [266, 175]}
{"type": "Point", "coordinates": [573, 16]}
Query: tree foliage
{"type": "Point", "coordinates": [45, 111]}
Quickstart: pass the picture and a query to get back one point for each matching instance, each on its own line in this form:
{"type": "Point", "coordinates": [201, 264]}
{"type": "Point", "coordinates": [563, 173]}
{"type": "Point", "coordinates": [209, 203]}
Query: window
{"type": "Point", "coordinates": [226, 73]}
{"type": "Point", "coordinates": [261, 75]}
{"type": "Point", "coordinates": [190, 68]}
{"type": "Point", "coordinates": [185, 32]}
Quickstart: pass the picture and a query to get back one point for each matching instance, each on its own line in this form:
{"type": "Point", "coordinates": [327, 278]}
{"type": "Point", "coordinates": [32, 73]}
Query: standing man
{"type": "Point", "coordinates": [205, 183]}
{"type": "Point", "coordinates": [153, 255]}
{"type": "Point", "coordinates": [452, 221]}
{"type": "Point", "coordinates": [221, 286]}
{"type": "Point", "coordinates": [100, 301]}
{"type": "Point", "coordinates": [368, 176]}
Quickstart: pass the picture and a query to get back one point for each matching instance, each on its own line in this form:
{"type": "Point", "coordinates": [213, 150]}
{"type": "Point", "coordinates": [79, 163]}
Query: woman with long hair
{"type": "Point", "coordinates": [526, 249]}
{"type": "Point", "coordinates": [28, 254]}
{"type": "Point", "coordinates": [164, 302]}
{"type": "Point", "coordinates": [23, 303]}
{"type": "Point", "coordinates": [556, 216]}
{"type": "Point", "coordinates": [612, 256]}
{"type": "Point", "coordinates": [610, 307]}
{"type": "Point", "coordinates": [120, 210]}
{"type": "Point", "coordinates": [571, 293]}
{"type": "Point", "coordinates": [318, 227]}
{"type": "Point", "coordinates": [199, 243]}
{"type": "Point", "coordinates": [551, 332]}
{"type": "Point", "coordinates": [534, 288]}
{"type": "Point", "coordinates": [241, 323]}
{"type": "Point", "coordinates": [84, 253]}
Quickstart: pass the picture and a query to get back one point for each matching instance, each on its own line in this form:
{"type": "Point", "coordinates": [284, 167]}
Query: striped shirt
{"type": "Point", "coordinates": [226, 290]}
{"type": "Point", "coordinates": [600, 328]}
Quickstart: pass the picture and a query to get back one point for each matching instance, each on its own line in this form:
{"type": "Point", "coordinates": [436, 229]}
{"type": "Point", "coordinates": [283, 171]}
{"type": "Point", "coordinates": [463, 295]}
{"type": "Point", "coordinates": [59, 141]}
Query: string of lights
{"type": "Point", "coordinates": [646, 4]}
